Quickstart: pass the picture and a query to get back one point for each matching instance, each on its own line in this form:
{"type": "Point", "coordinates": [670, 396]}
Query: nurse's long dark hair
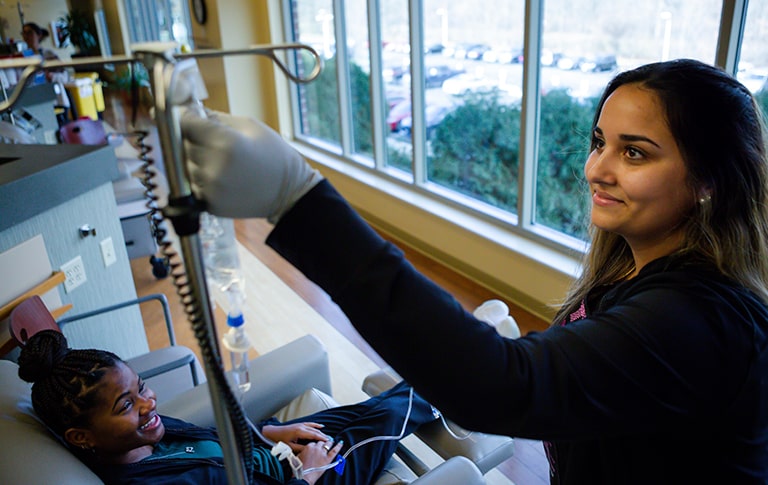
{"type": "Point", "coordinates": [720, 133]}
{"type": "Point", "coordinates": [63, 379]}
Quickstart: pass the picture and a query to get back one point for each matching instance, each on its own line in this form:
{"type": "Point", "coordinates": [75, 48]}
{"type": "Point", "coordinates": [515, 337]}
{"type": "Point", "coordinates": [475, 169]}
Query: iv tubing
{"type": "Point", "coordinates": [352, 448]}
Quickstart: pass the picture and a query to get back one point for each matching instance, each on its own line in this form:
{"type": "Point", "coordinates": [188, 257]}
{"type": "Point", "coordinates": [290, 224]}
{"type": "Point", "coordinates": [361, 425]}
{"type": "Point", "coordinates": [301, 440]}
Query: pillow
{"type": "Point", "coordinates": [31, 453]}
{"type": "Point", "coordinates": [310, 402]}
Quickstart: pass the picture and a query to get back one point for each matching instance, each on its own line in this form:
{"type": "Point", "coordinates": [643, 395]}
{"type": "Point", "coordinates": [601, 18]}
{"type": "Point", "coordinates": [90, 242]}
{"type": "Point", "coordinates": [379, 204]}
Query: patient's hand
{"type": "Point", "coordinates": [296, 435]}
{"type": "Point", "coordinates": [318, 454]}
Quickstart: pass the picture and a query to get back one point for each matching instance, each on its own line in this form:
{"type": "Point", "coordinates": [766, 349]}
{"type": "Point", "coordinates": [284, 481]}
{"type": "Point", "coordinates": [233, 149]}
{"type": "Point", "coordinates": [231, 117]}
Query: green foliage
{"type": "Point", "coordinates": [126, 76]}
{"type": "Point", "coordinates": [78, 31]}
{"type": "Point", "coordinates": [321, 116]}
{"type": "Point", "coordinates": [320, 107]}
{"type": "Point", "coordinates": [561, 201]}
{"type": "Point", "coordinates": [762, 100]}
{"type": "Point", "coordinates": [476, 148]}
{"type": "Point", "coordinates": [476, 152]}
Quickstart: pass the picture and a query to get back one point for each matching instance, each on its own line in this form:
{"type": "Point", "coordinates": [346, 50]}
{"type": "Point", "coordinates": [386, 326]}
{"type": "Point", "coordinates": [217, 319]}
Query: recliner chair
{"type": "Point", "coordinates": [31, 454]}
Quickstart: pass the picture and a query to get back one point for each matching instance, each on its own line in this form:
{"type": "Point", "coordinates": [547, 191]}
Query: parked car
{"type": "Point", "coordinates": [457, 51]}
{"type": "Point", "coordinates": [434, 49]}
{"type": "Point", "coordinates": [550, 58]}
{"type": "Point", "coordinates": [433, 116]}
{"type": "Point", "coordinates": [568, 62]}
{"type": "Point", "coordinates": [754, 79]}
{"type": "Point", "coordinates": [468, 83]}
{"type": "Point", "coordinates": [598, 63]}
{"type": "Point", "coordinates": [504, 56]}
{"type": "Point", "coordinates": [397, 113]}
{"type": "Point", "coordinates": [475, 52]}
{"type": "Point", "coordinates": [435, 75]}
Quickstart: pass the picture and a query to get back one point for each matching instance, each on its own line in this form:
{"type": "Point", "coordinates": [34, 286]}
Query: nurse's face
{"type": "Point", "coordinates": [636, 174]}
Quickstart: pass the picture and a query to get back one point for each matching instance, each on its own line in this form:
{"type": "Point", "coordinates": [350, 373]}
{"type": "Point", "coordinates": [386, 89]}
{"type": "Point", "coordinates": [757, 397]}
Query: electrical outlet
{"type": "Point", "coordinates": [74, 273]}
{"type": "Point", "coordinates": [108, 252]}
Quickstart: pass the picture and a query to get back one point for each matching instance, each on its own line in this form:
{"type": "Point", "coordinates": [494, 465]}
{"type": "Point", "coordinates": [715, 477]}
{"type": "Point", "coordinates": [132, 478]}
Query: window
{"type": "Point", "coordinates": [584, 44]}
{"type": "Point", "coordinates": [165, 20]}
{"type": "Point", "coordinates": [752, 68]}
{"type": "Point", "coordinates": [439, 93]}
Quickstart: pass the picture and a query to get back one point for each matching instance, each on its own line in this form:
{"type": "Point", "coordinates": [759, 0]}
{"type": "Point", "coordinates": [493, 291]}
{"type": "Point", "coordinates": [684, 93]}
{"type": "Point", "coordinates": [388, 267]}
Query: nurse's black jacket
{"type": "Point", "coordinates": [663, 380]}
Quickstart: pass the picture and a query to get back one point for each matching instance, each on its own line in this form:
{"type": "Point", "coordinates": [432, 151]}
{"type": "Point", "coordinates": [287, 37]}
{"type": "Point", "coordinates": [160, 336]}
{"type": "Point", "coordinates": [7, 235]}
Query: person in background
{"type": "Point", "coordinates": [655, 369]}
{"type": "Point", "coordinates": [33, 35]}
{"type": "Point", "coordinates": [108, 417]}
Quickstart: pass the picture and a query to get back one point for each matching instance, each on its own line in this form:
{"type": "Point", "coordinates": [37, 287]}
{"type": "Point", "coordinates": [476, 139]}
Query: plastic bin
{"type": "Point", "coordinates": [83, 98]}
{"type": "Point", "coordinates": [98, 91]}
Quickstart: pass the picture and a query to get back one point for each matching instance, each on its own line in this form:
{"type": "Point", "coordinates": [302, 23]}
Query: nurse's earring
{"type": "Point", "coordinates": [705, 197]}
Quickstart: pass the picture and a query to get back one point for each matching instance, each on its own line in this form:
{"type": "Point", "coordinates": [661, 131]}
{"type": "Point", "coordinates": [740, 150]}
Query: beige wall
{"type": "Point", "coordinates": [241, 85]}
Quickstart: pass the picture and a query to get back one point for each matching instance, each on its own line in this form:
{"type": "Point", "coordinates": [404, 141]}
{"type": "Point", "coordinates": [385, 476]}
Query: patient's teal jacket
{"type": "Point", "coordinates": [180, 471]}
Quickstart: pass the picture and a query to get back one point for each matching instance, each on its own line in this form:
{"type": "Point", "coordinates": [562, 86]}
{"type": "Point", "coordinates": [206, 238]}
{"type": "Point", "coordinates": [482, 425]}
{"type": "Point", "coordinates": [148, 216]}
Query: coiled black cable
{"type": "Point", "coordinates": [192, 307]}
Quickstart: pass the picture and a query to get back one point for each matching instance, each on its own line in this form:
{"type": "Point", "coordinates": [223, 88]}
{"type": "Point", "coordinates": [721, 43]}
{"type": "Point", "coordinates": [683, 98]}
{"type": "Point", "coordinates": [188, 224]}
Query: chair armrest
{"type": "Point", "coordinates": [456, 471]}
{"type": "Point", "coordinates": [159, 297]}
{"type": "Point", "coordinates": [277, 377]}
{"type": "Point", "coordinates": [163, 360]}
{"type": "Point", "coordinates": [486, 451]}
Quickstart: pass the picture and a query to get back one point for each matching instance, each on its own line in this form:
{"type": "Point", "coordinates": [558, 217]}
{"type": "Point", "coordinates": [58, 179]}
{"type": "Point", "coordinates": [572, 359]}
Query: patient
{"type": "Point", "coordinates": [107, 416]}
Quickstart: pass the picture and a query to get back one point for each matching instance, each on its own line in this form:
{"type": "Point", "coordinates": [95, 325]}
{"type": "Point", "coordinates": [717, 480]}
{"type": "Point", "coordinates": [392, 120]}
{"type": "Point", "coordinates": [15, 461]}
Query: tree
{"type": "Point", "coordinates": [564, 137]}
{"type": "Point", "coordinates": [476, 149]}
{"type": "Point", "coordinates": [320, 116]}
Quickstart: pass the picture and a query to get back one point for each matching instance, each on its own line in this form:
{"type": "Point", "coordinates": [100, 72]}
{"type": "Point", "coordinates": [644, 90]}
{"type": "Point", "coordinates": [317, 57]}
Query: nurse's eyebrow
{"type": "Point", "coordinates": [638, 138]}
{"type": "Point", "coordinates": [599, 131]}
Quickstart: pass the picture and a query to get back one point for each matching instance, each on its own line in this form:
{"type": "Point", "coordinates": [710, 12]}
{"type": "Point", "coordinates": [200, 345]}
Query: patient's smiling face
{"type": "Point", "coordinates": [124, 425]}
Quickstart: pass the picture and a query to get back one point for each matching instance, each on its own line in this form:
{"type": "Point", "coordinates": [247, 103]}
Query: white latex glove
{"type": "Point", "coordinates": [241, 168]}
{"type": "Point", "coordinates": [496, 314]}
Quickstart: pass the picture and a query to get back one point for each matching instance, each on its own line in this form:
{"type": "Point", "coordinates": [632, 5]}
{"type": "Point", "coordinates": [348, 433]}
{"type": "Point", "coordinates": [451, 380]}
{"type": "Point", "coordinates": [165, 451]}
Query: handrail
{"type": "Point", "coordinates": [33, 65]}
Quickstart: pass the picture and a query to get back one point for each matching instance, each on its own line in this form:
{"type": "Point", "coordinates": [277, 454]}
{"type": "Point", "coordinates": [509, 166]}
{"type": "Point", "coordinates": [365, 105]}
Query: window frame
{"type": "Point", "coordinates": [522, 224]}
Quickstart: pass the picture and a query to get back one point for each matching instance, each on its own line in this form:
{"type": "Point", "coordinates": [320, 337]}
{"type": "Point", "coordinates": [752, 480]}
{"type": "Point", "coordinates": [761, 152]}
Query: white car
{"type": "Point", "coordinates": [468, 83]}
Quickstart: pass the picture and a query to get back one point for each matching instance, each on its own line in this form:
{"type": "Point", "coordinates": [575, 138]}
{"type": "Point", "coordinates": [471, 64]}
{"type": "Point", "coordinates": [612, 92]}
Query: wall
{"type": "Point", "coordinates": [42, 12]}
{"type": "Point", "coordinates": [123, 332]}
{"type": "Point", "coordinates": [241, 85]}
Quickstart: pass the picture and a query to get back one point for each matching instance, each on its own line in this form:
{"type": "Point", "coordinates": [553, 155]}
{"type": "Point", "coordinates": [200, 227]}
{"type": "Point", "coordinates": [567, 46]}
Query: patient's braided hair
{"type": "Point", "coordinates": [63, 379]}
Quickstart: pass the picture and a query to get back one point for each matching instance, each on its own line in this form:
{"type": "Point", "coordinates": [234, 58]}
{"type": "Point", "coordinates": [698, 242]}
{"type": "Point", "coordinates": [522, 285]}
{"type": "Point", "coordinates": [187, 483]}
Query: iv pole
{"type": "Point", "coordinates": [183, 210]}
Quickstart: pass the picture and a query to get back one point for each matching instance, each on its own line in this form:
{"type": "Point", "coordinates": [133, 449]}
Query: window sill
{"type": "Point", "coordinates": [519, 268]}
